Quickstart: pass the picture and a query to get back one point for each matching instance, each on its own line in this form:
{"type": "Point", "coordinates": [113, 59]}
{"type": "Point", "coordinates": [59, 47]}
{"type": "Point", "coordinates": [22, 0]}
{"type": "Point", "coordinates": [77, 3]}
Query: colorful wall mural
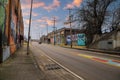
{"type": "Point", "coordinates": [78, 39]}
{"type": "Point", "coordinates": [81, 39]}
{"type": "Point", "coordinates": [3, 20]}
{"type": "Point", "coordinates": [11, 24]}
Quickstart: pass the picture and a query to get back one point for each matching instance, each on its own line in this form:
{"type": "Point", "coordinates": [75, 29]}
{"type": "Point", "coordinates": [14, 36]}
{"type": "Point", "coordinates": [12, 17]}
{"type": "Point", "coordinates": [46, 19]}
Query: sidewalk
{"type": "Point", "coordinates": [20, 67]}
{"type": "Point", "coordinates": [94, 50]}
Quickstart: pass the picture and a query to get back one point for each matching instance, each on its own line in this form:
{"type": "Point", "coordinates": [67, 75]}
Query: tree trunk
{"type": "Point", "coordinates": [89, 36]}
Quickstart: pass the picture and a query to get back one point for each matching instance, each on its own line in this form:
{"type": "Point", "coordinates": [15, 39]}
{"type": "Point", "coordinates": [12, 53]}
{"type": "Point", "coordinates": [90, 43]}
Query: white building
{"type": "Point", "coordinates": [109, 41]}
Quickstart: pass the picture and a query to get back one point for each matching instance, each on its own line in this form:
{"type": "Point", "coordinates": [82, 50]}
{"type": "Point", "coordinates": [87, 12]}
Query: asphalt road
{"type": "Point", "coordinates": [86, 64]}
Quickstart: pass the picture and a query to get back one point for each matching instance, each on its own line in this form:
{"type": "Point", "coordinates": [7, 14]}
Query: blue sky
{"type": "Point", "coordinates": [43, 13]}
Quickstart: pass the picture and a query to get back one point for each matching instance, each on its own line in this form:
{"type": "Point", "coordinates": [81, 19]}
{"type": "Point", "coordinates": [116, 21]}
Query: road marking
{"type": "Point", "coordinates": [102, 60]}
{"type": "Point", "coordinates": [62, 66]}
{"type": "Point", "coordinates": [86, 56]}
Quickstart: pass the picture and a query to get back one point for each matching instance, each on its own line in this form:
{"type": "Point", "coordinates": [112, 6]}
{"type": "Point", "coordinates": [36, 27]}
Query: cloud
{"type": "Point", "coordinates": [27, 13]}
{"type": "Point", "coordinates": [45, 20]}
{"type": "Point", "coordinates": [26, 21]}
{"type": "Point", "coordinates": [42, 22]}
{"type": "Point", "coordinates": [54, 5]}
{"type": "Point", "coordinates": [75, 3]}
{"type": "Point", "coordinates": [35, 5]}
{"type": "Point", "coordinates": [34, 14]}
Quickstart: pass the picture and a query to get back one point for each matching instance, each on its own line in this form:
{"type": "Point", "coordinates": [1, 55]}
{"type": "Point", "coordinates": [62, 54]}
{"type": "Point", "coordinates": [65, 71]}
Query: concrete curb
{"type": "Point", "coordinates": [95, 50]}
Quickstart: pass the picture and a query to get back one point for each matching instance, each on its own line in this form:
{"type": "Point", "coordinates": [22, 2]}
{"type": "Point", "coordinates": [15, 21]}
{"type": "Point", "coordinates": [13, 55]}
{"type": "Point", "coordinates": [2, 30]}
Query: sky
{"type": "Point", "coordinates": [43, 14]}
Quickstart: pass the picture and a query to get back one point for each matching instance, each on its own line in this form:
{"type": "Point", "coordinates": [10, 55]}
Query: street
{"type": "Point", "coordinates": [88, 65]}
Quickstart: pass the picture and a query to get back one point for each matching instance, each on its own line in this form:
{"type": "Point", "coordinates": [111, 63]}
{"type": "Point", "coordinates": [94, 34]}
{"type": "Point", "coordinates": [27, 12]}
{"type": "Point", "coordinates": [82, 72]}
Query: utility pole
{"type": "Point", "coordinates": [47, 32]}
{"type": "Point", "coordinates": [54, 21]}
{"type": "Point", "coordinates": [70, 22]}
{"type": "Point", "coordinates": [47, 28]}
{"type": "Point", "coordinates": [29, 28]}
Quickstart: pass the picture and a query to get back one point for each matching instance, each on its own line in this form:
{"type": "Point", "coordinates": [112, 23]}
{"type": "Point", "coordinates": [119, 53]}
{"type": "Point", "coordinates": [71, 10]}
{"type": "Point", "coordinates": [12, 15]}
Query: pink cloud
{"type": "Point", "coordinates": [34, 14]}
{"type": "Point", "coordinates": [75, 3]}
{"type": "Point", "coordinates": [35, 5]}
{"type": "Point", "coordinates": [55, 4]}
{"type": "Point", "coordinates": [26, 21]}
{"type": "Point", "coordinates": [45, 20]}
{"type": "Point", "coordinates": [28, 13]}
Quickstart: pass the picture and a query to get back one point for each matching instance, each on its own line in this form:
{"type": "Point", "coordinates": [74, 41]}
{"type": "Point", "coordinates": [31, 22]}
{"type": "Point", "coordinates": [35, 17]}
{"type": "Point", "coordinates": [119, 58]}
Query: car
{"type": "Point", "coordinates": [39, 42]}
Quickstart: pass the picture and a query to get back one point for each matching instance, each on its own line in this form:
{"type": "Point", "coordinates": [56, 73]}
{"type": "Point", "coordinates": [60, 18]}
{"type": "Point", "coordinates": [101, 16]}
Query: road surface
{"type": "Point", "coordinates": [86, 64]}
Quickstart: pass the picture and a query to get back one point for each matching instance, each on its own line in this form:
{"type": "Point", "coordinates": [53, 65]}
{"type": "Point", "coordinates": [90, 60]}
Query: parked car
{"type": "Point", "coordinates": [40, 42]}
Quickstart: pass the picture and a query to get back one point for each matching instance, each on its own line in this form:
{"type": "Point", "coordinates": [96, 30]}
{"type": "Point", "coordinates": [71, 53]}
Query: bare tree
{"type": "Point", "coordinates": [116, 19]}
{"type": "Point", "coordinates": [93, 15]}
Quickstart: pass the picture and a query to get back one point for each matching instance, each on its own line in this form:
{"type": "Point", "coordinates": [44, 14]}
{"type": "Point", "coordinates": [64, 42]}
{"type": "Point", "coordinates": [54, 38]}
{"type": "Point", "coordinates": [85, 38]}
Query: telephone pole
{"type": "Point", "coordinates": [47, 33]}
{"type": "Point", "coordinates": [29, 28]}
{"type": "Point", "coordinates": [54, 21]}
{"type": "Point", "coordinates": [70, 17]}
{"type": "Point", "coordinates": [47, 28]}
{"type": "Point", "coordinates": [70, 22]}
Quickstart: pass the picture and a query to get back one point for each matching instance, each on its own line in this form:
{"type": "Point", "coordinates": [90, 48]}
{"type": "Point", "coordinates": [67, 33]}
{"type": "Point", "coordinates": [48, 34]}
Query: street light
{"type": "Point", "coordinates": [29, 27]}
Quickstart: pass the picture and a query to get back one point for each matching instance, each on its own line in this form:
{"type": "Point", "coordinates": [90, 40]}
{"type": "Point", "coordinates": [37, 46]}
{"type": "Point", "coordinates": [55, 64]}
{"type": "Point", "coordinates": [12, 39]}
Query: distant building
{"type": "Point", "coordinates": [109, 41]}
{"type": "Point", "coordinates": [62, 36]}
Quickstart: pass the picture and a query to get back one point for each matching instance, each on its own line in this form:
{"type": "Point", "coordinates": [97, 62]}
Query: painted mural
{"type": "Point", "coordinates": [14, 30]}
{"type": "Point", "coordinates": [10, 28]}
{"type": "Point", "coordinates": [78, 39]}
{"type": "Point", "coordinates": [3, 20]}
{"type": "Point", "coordinates": [81, 39]}
{"type": "Point", "coordinates": [68, 40]}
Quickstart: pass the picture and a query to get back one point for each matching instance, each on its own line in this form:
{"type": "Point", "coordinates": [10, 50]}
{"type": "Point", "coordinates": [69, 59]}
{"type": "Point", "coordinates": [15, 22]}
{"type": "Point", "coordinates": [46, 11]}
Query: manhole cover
{"type": "Point", "coordinates": [52, 67]}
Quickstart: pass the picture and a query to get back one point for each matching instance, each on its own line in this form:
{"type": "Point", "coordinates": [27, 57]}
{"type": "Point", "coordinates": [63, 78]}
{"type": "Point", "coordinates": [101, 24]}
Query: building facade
{"type": "Point", "coordinates": [109, 41]}
{"type": "Point", "coordinates": [11, 26]}
{"type": "Point", "coordinates": [63, 37]}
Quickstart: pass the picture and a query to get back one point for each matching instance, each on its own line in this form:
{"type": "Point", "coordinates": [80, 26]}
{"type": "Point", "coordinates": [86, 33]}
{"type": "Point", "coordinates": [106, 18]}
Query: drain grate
{"type": "Point", "coordinates": [52, 67]}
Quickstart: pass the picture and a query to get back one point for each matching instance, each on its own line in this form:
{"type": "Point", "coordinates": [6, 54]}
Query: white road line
{"type": "Point", "coordinates": [62, 66]}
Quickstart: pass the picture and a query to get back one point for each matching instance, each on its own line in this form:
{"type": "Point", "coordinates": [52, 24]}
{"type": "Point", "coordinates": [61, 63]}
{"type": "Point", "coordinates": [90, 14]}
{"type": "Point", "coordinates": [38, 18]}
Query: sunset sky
{"type": "Point", "coordinates": [43, 13]}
